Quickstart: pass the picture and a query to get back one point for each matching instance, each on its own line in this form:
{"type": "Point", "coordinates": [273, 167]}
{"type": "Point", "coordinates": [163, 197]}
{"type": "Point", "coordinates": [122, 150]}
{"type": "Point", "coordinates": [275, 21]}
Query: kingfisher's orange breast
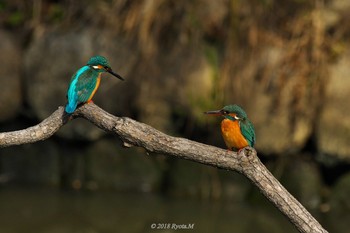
{"type": "Point", "coordinates": [232, 135]}
{"type": "Point", "coordinates": [96, 87]}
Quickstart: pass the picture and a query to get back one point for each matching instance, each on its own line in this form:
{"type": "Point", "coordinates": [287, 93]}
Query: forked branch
{"type": "Point", "coordinates": [135, 133]}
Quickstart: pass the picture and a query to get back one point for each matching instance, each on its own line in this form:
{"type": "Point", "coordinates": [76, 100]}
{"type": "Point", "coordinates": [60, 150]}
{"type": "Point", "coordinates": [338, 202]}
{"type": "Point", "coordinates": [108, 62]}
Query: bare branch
{"type": "Point", "coordinates": [39, 132]}
{"type": "Point", "coordinates": [135, 133]}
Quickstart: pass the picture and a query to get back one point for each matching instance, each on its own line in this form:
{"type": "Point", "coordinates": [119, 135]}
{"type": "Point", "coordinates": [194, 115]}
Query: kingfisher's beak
{"type": "Point", "coordinates": [215, 113]}
{"type": "Point", "coordinates": [109, 70]}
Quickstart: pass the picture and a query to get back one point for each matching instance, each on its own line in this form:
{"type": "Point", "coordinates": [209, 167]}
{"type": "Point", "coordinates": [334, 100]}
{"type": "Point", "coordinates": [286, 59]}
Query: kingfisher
{"type": "Point", "coordinates": [85, 82]}
{"type": "Point", "coordinates": [236, 129]}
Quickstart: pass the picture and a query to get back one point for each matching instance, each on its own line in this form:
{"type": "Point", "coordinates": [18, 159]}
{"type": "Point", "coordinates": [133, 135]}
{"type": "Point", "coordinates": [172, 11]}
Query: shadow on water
{"type": "Point", "coordinates": [53, 211]}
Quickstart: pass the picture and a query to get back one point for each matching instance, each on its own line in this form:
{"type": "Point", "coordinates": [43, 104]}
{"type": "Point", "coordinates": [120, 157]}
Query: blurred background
{"type": "Point", "coordinates": [285, 62]}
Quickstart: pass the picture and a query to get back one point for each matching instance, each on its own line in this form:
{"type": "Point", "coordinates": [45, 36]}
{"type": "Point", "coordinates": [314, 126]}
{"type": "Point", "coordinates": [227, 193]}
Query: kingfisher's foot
{"type": "Point", "coordinates": [90, 101]}
{"type": "Point", "coordinates": [247, 151]}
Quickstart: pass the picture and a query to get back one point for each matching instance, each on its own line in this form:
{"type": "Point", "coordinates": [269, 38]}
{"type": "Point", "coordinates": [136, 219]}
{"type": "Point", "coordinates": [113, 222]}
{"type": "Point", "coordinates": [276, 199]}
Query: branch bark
{"type": "Point", "coordinates": [135, 133]}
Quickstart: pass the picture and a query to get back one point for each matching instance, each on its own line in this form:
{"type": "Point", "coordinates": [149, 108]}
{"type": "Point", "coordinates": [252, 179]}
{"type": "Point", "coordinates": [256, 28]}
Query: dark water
{"type": "Point", "coordinates": [41, 211]}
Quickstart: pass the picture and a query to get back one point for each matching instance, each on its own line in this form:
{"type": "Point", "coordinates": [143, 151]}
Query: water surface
{"type": "Point", "coordinates": [56, 211]}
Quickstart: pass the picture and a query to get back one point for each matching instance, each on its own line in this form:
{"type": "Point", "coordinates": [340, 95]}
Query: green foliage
{"type": "Point", "coordinates": [56, 13]}
{"type": "Point", "coordinates": [212, 55]}
{"type": "Point", "coordinates": [2, 6]}
{"type": "Point", "coordinates": [15, 19]}
{"type": "Point", "coordinates": [12, 14]}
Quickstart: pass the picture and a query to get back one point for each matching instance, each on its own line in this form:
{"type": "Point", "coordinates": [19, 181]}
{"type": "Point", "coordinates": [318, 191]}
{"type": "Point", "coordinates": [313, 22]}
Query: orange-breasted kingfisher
{"type": "Point", "coordinates": [236, 129]}
{"type": "Point", "coordinates": [85, 82]}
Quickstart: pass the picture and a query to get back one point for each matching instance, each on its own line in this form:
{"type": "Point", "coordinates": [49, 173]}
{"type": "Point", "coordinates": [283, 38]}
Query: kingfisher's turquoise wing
{"type": "Point", "coordinates": [248, 131]}
{"type": "Point", "coordinates": [72, 96]}
{"type": "Point", "coordinates": [86, 85]}
{"type": "Point", "coordinates": [80, 88]}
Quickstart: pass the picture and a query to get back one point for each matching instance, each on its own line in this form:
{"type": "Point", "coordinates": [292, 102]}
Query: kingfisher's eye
{"type": "Point", "coordinates": [225, 112]}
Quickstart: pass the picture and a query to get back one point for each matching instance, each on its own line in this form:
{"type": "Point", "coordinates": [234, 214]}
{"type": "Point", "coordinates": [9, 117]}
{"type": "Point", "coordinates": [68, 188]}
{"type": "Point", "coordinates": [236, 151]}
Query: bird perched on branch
{"type": "Point", "coordinates": [236, 129]}
{"type": "Point", "coordinates": [85, 82]}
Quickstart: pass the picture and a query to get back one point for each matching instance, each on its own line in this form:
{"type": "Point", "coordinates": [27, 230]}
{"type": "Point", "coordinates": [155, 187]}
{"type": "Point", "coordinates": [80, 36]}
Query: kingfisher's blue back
{"type": "Point", "coordinates": [85, 82]}
{"type": "Point", "coordinates": [82, 86]}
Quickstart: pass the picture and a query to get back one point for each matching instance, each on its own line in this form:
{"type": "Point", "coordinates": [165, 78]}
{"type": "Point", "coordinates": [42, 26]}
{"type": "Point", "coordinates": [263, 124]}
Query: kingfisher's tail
{"type": "Point", "coordinates": [70, 108]}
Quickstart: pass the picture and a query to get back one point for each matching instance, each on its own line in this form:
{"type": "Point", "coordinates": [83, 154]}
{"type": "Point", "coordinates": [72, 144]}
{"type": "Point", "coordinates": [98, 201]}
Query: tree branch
{"type": "Point", "coordinates": [135, 133]}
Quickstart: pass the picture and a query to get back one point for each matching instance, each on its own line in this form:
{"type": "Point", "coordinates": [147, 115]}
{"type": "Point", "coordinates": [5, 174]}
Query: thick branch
{"type": "Point", "coordinates": [39, 132]}
{"type": "Point", "coordinates": [139, 134]}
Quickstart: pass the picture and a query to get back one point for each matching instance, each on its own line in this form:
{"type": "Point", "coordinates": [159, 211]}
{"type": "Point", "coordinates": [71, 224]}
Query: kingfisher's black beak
{"type": "Point", "coordinates": [215, 113]}
{"type": "Point", "coordinates": [109, 70]}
